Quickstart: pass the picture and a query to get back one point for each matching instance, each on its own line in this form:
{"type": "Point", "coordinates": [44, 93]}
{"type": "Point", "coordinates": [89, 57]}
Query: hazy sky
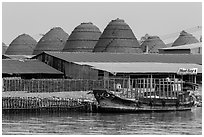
{"type": "Point", "coordinates": [152, 18]}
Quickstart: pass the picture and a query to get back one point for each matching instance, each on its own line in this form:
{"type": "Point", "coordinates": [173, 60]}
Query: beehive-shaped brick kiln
{"type": "Point", "coordinates": [83, 38]}
{"type": "Point", "coordinates": [184, 39]}
{"type": "Point", "coordinates": [53, 40]}
{"type": "Point", "coordinates": [22, 45]}
{"type": "Point", "coordinates": [4, 48]}
{"type": "Point", "coordinates": [152, 44]}
{"type": "Point", "coordinates": [118, 37]}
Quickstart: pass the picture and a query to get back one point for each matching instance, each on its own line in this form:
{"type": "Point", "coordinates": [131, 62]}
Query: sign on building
{"type": "Point", "coordinates": [190, 71]}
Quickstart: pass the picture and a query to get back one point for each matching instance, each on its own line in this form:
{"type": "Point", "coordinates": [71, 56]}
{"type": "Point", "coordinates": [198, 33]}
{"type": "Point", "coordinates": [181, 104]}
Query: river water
{"type": "Point", "coordinates": [179, 123]}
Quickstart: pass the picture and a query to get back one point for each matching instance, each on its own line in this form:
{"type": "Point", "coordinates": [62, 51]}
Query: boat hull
{"type": "Point", "coordinates": [140, 110]}
{"type": "Point", "coordinates": [108, 102]}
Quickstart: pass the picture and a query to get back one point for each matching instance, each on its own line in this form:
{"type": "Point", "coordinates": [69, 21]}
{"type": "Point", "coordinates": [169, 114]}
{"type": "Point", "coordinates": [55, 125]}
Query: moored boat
{"type": "Point", "coordinates": [146, 101]}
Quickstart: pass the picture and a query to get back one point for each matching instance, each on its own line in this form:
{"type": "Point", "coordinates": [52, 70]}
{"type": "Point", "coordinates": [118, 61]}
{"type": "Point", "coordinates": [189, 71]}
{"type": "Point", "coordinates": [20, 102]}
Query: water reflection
{"type": "Point", "coordinates": [189, 122]}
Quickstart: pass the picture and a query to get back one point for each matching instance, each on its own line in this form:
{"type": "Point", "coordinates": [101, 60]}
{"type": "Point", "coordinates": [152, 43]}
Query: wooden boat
{"type": "Point", "coordinates": [109, 102]}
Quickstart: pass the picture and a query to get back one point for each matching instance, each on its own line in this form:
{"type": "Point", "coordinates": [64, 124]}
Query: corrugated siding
{"type": "Point", "coordinates": [80, 72]}
{"type": "Point", "coordinates": [71, 70]}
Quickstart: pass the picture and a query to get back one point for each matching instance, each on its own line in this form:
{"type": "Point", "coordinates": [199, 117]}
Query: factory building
{"type": "Point", "coordinates": [152, 44]}
{"type": "Point", "coordinates": [184, 39]}
{"type": "Point", "coordinates": [195, 48]}
{"type": "Point", "coordinates": [83, 38]}
{"type": "Point", "coordinates": [118, 37]}
{"type": "Point", "coordinates": [22, 45]}
{"type": "Point", "coordinates": [114, 65]}
{"type": "Point", "coordinates": [53, 40]}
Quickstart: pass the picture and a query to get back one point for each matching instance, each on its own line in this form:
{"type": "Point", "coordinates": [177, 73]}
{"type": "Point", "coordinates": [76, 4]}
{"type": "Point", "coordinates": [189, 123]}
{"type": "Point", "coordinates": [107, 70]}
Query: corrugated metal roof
{"type": "Point", "coordinates": [126, 57]}
{"type": "Point", "coordinates": [141, 67]}
{"type": "Point", "coordinates": [10, 66]}
{"type": "Point", "coordinates": [20, 56]}
{"type": "Point", "coordinates": [189, 46]}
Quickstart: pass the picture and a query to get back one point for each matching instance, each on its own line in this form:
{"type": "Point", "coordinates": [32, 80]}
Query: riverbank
{"type": "Point", "coordinates": [69, 94]}
{"type": "Point", "coordinates": [56, 101]}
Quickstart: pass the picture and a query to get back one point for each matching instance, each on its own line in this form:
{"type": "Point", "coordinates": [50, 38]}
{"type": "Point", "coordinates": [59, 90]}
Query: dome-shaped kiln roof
{"type": "Point", "coordinates": [184, 38]}
{"type": "Point", "coordinates": [118, 37]}
{"type": "Point", "coordinates": [4, 48]}
{"type": "Point", "coordinates": [83, 38]}
{"type": "Point", "coordinates": [22, 45]}
{"type": "Point", "coordinates": [152, 44]}
{"type": "Point", "coordinates": [53, 40]}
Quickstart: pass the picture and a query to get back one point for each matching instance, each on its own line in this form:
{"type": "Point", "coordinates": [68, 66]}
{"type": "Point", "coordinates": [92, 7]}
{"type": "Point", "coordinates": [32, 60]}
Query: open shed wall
{"type": "Point", "coordinates": [196, 50]}
{"type": "Point", "coordinates": [176, 51]}
{"type": "Point", "coordinates": [74, 70]}
{"type": "Point", "coordinates": [181, 51]}
{"type": "Point", "coordinates": [70, 70]}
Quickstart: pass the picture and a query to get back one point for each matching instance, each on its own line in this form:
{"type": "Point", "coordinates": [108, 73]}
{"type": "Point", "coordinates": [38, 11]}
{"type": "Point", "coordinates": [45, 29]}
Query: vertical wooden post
{"type": "Point", "coordinates": [135, 89]}
{"type": "Point", "coordinates": [123, 86]}
{"type": "Point", "coordinates": [14, 88]}
{"type": "Point", "coordinates": [170, 85]}
{"type": "Point", "coordinates": [139, 85]}
{"type": "Point", "coordinates": [177, 88]}
{"type": "Point", "coordinates": [154, 83]}
{"type": "Point", "coordinates": [129, 83]}
{"type": "Point", "coordinates": [108, 84]}
{"type": "Point", "coordinates": [167, 88]}
{"type": "Point", "coordinates": [159, 88]}
{"type": "Point", "coordinates": [3, 87]}
{"type": "Point", "coordinates": [4, 84]}
{"type": "Point", "coordinates": [151, 86]}
{"type": "Point", "coordinates": [164, 92]}
{"type": "Point", "coordinates": [174, 86]}
{"type": "Point", "coordinates": [144, 82]}
{"type": "Point", "coordinates": [114, 85]}
{"type": "Point", "coordinates": [132, 88]}
{"type": "Point", "coordinates": [195, 80]}
{"type": "Point", "coordinates": [129, 86]}
{"type": "Point", "coordinates": [38, 85]}
{"type": "Point", "coordinates": [10, 85]}
{"type": "Point", "coordinates": [148, 86]}
{"type": "Point", "coordinates": [7, 86]}
{"type": "Point", "coordinates": [181, 82]}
